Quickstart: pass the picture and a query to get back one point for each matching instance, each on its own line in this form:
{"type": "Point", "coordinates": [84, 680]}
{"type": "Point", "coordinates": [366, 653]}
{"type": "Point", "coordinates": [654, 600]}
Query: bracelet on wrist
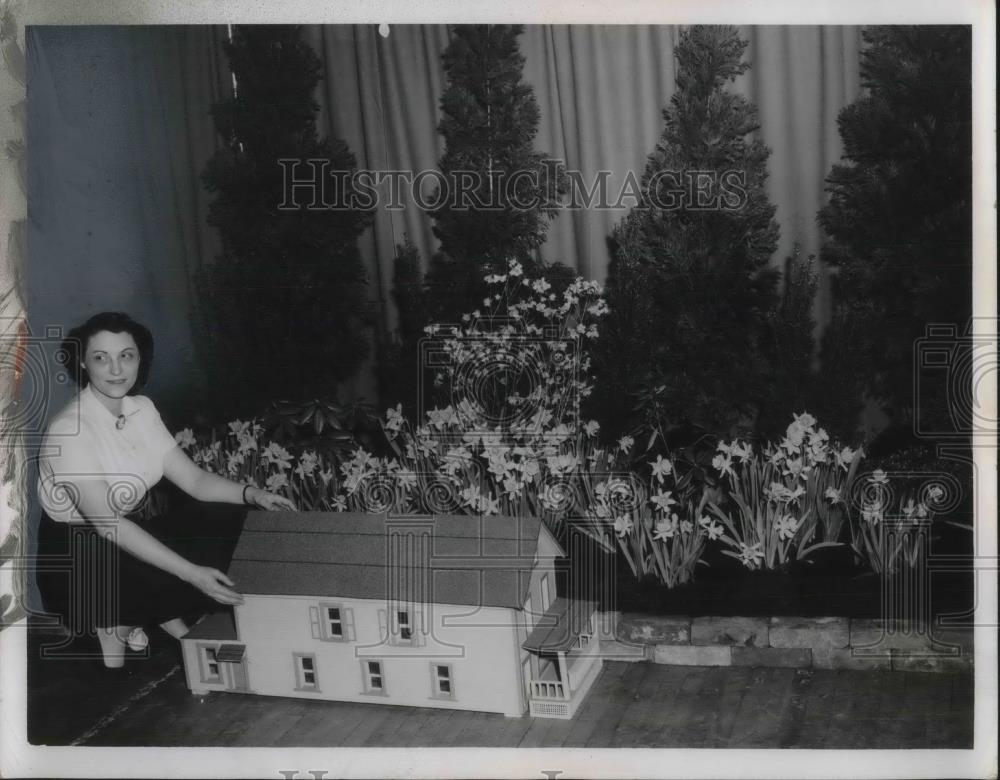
{"type": "Point", "coordinates": [245, 488]}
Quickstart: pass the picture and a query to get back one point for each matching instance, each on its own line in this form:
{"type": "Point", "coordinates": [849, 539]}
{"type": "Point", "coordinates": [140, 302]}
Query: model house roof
{"type": "Point", "coordinates": [445, 559]}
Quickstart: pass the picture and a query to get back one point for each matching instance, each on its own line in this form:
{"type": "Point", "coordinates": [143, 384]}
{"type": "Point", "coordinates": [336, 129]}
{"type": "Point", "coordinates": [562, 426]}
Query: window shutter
{"type": "Point", "coordinates": [419, 629]}
{"type": "Point", "coordinates": [347, 615]}
{"type": "Point", "coordinates": [317, 632]}
{"type": "Point", "coordinates": [383, 626]}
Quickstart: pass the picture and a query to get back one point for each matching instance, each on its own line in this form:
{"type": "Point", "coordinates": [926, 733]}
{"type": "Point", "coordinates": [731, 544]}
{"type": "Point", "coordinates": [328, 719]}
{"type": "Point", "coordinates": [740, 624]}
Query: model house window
{"type": "Point", "coordinates": [374, 677]}
{"type": "Point", "coordinates": [546, 596]}
{"type": "Point", "coordinates": [529, 614]}
{"type": "Point", "coordinates": [441, 681]}
{"type": "Point", "coordinates": [210, 665]}
{"type": "Point", "coordinates": [332, 622]}
{"type": "Point", "coordinates": [401, 626]}
{"type": "Point", "coordinates": [306, 678]}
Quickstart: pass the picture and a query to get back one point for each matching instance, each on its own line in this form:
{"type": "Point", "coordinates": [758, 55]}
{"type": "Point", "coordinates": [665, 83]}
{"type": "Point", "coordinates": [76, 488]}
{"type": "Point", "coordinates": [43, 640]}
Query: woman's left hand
{"type": "Point", "coordinates": [271, 501]}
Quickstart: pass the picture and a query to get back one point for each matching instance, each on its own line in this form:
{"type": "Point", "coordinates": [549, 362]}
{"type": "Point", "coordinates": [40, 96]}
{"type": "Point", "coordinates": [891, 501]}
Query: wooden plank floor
{"type": "Point", "coordinates": [631, 705]}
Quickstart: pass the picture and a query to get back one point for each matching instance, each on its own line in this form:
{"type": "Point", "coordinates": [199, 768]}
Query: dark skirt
{"type": "Point", "coordinates": [90, 582]}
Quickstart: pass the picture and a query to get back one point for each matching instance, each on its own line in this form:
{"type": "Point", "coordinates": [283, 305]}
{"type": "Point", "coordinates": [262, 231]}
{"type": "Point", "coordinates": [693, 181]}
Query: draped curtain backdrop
{"type": "Point", "coordinates": [119, 131]}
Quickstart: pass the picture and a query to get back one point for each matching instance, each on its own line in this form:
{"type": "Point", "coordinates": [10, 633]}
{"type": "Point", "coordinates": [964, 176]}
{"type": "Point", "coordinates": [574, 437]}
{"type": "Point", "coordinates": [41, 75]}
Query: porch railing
{"type": "Point", "coordinates": [547, 689]}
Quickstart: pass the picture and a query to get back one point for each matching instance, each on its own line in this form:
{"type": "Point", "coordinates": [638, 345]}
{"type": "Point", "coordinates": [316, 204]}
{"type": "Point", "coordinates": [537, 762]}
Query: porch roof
{"type": "Point", "coordinates": [558, 628]}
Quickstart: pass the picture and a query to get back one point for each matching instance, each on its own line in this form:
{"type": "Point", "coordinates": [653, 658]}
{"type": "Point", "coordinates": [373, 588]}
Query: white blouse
{"type": "Point", "coordinates": [85, 441]}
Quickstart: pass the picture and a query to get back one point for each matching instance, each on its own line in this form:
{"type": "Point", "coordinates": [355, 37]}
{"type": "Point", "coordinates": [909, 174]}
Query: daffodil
{"type": "Point", "coordinates": [623, 525]}
{"type": "Point", "coordinates": [661, 468]}
{"type": "Point", "coordinates": [394, 420]}
{"type": "Point", "coordinates": [751, 555]}
{"type": "Point", "coordinates": [239, 428]}
{"type": "Point", "coordinates": [805, 420]}
{"type": "Point", "coordinates": [277, 455]}
{"type": "Point", "coordinates": [723, 464]}
{"type": "Point", "coordinates": [786, 526]}
{"type": "Point", "coordinates": [845, 457]}
{"type": "Point", "coordinates": [776, 492]}
{"type": "Point", "coordinates": [441, 418]}
{"type": "Point", "coordinates": [872, 513]}
{"type": "Point", "coordinates": [714, 530]}
{"type": "Point", "coordinates": [185, 438]}
{"type": "Point", "coordinates": [233, 462]}
{"type": "Point", "coordinates": [663, 501]}
{"type": "Point", "coordinates": [276, 482]}
{"type": "Point", "coordinates": [562, 464]}
{"type": "Point", "coordinates": [794, 435]}
{"type": "Point", "coordinates": [665, 529]}
{"type": "Point", "coordinates": [307, 464]}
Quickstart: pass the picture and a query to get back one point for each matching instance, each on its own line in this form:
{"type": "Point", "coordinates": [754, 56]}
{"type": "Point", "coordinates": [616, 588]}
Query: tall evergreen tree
{"type": "Point", "coordinates": [899, 219]}
{"type": "Point", "coordinates": [285, 300]}
{"type": "Point", "coordinates": [789, 347]}
{"type": "Point", "coordinates": [689, 286]}
{"type": "Point", "coordinates": [399, 374]}
{"type": "Point", "coordinates": [500, 194]}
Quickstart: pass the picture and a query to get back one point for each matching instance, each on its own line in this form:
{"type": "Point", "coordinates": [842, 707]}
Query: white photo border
{"type": "Point", "coordinates": [18, 759]}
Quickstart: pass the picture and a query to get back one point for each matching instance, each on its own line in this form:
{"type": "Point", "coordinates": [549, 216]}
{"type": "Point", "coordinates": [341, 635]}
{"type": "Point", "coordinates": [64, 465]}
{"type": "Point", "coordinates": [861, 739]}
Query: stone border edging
{"type": "Point", "coordinates": [788, 642]}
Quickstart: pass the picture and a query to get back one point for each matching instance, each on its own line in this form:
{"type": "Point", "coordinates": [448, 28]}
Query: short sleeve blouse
{"type": "Point", "coordinates": [85, 441]}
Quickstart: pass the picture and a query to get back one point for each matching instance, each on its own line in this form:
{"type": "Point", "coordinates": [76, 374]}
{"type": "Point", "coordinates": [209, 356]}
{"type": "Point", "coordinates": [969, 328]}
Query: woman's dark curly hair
{"type": "Point", "coordinates": [75, 346]}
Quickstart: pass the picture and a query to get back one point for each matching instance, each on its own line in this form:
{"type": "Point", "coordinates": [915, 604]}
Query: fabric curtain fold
{"type": "Point", "coordinates": [120, 131]}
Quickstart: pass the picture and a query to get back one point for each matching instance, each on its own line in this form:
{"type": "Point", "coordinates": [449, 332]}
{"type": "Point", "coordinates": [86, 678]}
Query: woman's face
{"type": "Point", "coordinates": [112, 363]}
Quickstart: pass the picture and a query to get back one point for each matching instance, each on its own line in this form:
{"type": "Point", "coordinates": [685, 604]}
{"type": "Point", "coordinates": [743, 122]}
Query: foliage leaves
{"type": "Point", "coordinates": [284, 302]}
{"type": "Point", "coordinates": [899, 220]}
{"type": "Point", "coordinates": [489, 122]}
{"type": "Point", "coordinates": [689, 287]}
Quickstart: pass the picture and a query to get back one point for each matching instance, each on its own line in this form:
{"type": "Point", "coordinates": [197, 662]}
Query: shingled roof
{"type": "Point", "coordinates": [468, 560]}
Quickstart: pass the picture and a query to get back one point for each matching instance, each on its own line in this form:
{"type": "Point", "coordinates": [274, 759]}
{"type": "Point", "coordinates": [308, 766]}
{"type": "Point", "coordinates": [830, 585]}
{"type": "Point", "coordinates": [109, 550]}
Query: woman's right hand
{"type": "Point", "coordinates": [213, 583]}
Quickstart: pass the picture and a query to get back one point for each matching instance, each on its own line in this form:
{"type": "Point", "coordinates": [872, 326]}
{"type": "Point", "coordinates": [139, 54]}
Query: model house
{"type": "Point", "coordinates": [443, 611]}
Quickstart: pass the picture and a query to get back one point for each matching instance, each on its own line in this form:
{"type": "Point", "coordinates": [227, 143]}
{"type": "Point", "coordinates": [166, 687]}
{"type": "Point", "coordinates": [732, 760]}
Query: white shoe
{"type": "Point", "coordinates": [137, 640]}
